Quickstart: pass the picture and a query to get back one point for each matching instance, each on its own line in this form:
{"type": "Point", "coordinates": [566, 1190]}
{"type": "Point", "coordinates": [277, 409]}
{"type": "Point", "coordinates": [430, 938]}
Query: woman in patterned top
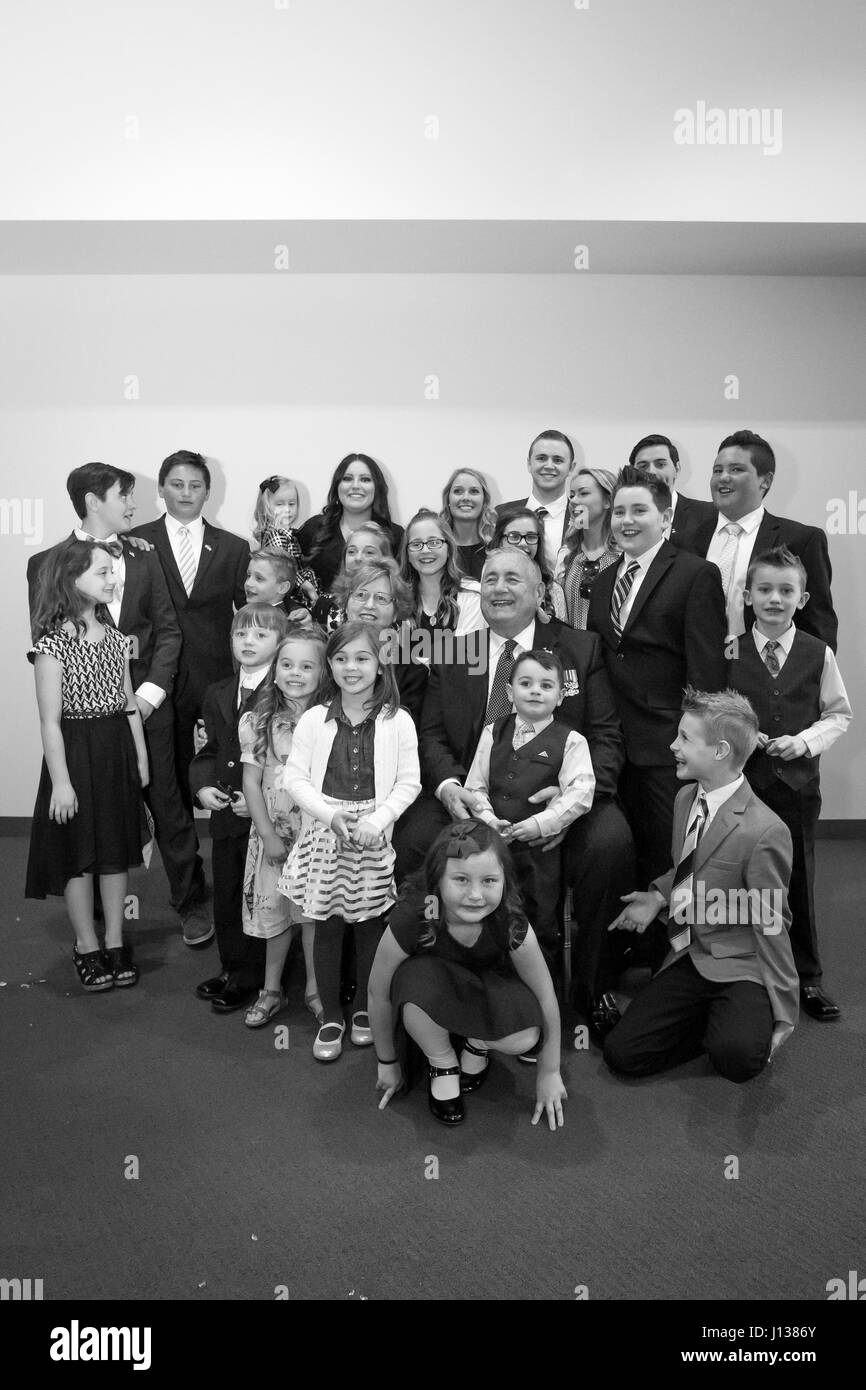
{"type": "Point", "coordinates": [89, 815]}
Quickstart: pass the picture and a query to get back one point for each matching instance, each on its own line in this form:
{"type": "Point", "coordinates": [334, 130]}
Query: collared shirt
{"type": "Point", "coordinates": [836, 713]}
{"type": "Point", "coordinates": [196, 536]}
{"type": "Point", "coordinates": [251, 680]}
{"type": "Point", "coordinates": [749, 523]}
{"type": "Point", "coordinates": [153, 694]}
{"type": "Point", "coordinates": [715, 800]}
{"type": "Point", "coordinates": [349, 775]}
{"type": "Point", "coordinates": [644, 561]}
{"type": "Point", "coordinates": [576, 780]}
{"type": "Point", "coordinates": [675, 497]}
{"type": "Point", "coordinates": [553, 524]}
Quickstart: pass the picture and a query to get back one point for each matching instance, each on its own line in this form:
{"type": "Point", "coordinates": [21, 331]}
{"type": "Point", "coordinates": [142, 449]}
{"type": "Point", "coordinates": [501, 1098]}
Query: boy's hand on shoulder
{"type": "Point", "coordinates": [138, 542]}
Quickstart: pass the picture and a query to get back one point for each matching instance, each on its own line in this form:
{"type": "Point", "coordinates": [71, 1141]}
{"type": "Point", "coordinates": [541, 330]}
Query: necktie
{"type": "Point", "coordinates": [499, 704]}
{"type": "Point", "coordinates": [770, 658]}
{"type": "Point", "coordinates": [682, 892]}
{"type": "Point", "coordinates": [727, 561]}
{"type": "Point", "coordinates": [621, 591]}
{"type": "Point", "coordinates": [186, 562]}
{"type": "Point", "coordinates": [523, 732]}
{"type": "Point", "coordinates": [541, 513]}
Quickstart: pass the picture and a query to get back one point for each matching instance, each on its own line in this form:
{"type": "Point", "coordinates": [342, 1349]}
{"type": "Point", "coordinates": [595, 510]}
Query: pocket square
{"type": "Point", "coordinates": [544, 753]}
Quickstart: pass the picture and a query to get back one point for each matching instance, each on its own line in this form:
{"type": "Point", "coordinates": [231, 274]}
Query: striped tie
{"type": "Point", "coordinates": [682, 892]}
{"type": "Point", "coordinates": [186, 563]}
{"type": "Point", "coordinates": [499, 704]}
{"type": "Point", "coordinates": [621, 591]}
{"type": "Point", "coordinates": [770, 659]}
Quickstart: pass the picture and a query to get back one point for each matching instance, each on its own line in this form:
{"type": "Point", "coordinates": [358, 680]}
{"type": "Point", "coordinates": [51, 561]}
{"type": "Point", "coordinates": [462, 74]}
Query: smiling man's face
{"type": "Point", "coordinates": [510, 592]}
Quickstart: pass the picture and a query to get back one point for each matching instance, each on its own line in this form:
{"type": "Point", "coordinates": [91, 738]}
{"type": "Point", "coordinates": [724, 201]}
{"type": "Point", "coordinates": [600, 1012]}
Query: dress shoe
{"type": "Point", "coordinates": [211, 989]}
{"type": "Point", "coordinates": [817, 1004]}
{"type": "Point", "coordinates": [603, 1017]}
{"type": "Point", "coordinates": [197, 926]}
{"type": "Point", "coordinates": [233, 997]}
{"type": "Point", "coordinates": [362, 1033]}
{"type": "Point", "coordinates": [473, 1080]}
{"type": "Point", "coordinates": [328, 1049]}
{"type": "Point", "coordinates": [450, 1112]}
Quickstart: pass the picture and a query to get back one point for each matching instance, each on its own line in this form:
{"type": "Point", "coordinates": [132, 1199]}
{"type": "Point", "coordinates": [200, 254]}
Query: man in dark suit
{"type": "Point", "coordinates": [550, 460]}
{"type": "Point", "coordinates": [741, 478]}
{"type": "Point", "coordinates": [462, 697]}
{"type": "Point", "coordinates": [205, 569]}
{"type": "Point", "coordinates": [142, 610]}
{"type": "Point", "coordinates": [659, 455]}
{"type": "Point", "coordinates": [661, 616]}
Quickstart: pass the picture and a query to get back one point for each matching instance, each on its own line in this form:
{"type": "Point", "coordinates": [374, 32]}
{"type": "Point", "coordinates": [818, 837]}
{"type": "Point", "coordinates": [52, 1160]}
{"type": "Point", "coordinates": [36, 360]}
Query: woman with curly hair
{"type": "Point", "coordinates": [443, 596]}
{"type": "Point", "coordinates": [358, 493]}
{"type": "Point", "coordinates": [518, 528]}
{"type": "Point", "coordinates": [468, 510]}
{"type": "Point", "coordinates": [458, 956]}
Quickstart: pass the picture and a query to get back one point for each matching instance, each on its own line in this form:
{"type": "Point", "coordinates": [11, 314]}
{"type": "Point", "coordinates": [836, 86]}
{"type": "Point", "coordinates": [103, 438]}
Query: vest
{"type": "Point", "coordinates": [515, 776]}
{"type": "Point", "coordinates": [785, 704]}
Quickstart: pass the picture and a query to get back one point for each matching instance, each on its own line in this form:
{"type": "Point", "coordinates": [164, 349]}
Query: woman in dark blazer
{"type": "Point", "coordinates": [358, 493]}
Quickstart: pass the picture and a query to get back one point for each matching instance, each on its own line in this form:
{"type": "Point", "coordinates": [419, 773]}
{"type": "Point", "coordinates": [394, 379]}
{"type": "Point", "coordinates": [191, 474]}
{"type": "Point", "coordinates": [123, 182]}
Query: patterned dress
{"type": "Point", "coordinates": [304, 592]}
{"type": "Point", "coordinates": [265, 911]}
{"type": "Point", "coordinates": [108, 831]}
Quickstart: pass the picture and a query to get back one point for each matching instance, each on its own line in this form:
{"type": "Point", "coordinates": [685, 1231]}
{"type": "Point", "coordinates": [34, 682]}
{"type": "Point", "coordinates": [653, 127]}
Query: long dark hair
{"type": "Point", "coordinates": [515, 514]}
{"type": "Point", "coordinates": [508, 921]}
{"type": "Point", "coordinates": [273, 709]}
{"type": "Point", "coordinates": [386, 696]}
{"type": "Point", "coordinates": [451, 575]}
{"type": "Point", "coordinates": [329, 527]}
{"type": "Point", "coordinates": [58, 601]}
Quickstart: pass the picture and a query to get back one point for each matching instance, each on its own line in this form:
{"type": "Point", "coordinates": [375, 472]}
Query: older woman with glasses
{"type": "Point", "coordinates": [588, 547]}
{"type": "Point", "coordinates": [522, 529]}
{"type": "Point", "coordinates": [443, 596]}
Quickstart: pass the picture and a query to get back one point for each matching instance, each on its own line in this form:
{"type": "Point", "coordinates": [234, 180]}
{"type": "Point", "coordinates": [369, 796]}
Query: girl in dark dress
{"type": "Point", "coordinates": [358, 493]}
{"type": "Point", "coordinates": [459, 956]}
{"type": "Point", "coordinates": [89, 814]}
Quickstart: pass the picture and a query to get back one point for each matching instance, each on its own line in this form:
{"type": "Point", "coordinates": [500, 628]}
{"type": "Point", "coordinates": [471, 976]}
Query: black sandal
{"type": "Point", "coordinates": [122, 966]}
{"type": "Point", "coordinates": [94, 971]}
{"type": "Point", "coordinates": [450, 1112]}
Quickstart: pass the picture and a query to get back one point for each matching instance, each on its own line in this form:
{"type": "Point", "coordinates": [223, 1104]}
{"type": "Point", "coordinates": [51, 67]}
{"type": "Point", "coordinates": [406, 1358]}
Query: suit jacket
{"type": "Point", "coordinates": [456, 702]}
{"type": "Point", "coordinates": [746, 847]}
{"type": "Point", "coordinates": [220, 758]}
{"type": "Point", "coordinates": [205, 615]}
{"type": "Point", "coordinates": [147, 618]}
{"type": "Point", "coordinates": [809, 544]}
{"type": "Point", "coordinates": [689, 515]}
{"type": "Point", "coordinates": [522, 502]}
{"type": "Point", "coordinates": [674, 636]}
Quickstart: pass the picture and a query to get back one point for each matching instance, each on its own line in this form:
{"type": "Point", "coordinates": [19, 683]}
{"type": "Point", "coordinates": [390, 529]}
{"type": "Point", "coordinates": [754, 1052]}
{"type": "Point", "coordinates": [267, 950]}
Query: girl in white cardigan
{"type": "Point", "coordinates": [353, 770]}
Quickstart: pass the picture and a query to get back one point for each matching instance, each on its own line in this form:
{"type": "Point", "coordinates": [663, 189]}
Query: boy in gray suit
{"type": "Point", "coordinates": [728, 985]}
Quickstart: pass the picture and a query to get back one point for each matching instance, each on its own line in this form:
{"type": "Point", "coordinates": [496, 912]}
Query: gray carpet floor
{"type": "Point", "coordinates": [260, 1170]}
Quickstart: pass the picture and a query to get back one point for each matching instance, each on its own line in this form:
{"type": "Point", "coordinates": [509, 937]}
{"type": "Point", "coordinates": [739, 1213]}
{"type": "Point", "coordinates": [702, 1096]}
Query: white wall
{"type": "Point", "coordinates": [266, 374]}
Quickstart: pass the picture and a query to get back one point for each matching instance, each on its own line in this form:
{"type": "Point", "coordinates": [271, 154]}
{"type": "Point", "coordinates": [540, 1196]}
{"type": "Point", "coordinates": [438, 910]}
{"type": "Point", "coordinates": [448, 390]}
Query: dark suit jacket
{"type": "Point", "coordinates": [205, 615]}
{"type": "Point", "coordinates": [810, 545]}
{"type": "Point", "coordinates": [220, 758]}
{"type": "Point", "coordinates": [689, 515]}
{"type": "Point", "coordinates": [521, 502]}
{"type": "Point", "coordinates": [456, 701]}
{"type": "Point", "coordinates": [147, 617]}
{"type": "Point", "coordinates": [674, 636]}
{"type": "Point", "coordinates": [746, 847]}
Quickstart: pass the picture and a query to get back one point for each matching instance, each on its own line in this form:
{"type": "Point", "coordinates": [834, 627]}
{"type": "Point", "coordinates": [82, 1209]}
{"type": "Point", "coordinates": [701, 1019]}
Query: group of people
{"type": "Point", "coordinates": [413, 741]}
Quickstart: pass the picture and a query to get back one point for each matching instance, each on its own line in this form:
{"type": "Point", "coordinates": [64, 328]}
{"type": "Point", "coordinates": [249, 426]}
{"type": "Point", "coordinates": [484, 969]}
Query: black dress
{"type": "Point", "coordinates": [326, 561]}
{"type": "Point", "coordinates": [107, 832]}
{"type": "Point", "coordinates": [472, 557]}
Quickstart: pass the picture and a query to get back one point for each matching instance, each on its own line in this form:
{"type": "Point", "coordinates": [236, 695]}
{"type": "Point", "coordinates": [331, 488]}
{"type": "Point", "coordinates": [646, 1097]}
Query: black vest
{"type": "Point", "coordinates": [517, 775]}
{"type": "Point", "coordinates": [785, 704]}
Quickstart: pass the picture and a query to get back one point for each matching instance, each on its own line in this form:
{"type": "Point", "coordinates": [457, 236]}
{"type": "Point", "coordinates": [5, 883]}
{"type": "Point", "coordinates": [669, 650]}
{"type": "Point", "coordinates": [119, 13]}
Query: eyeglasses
{"type": "Point", "coordinates": [270, 484]}
{"type": "Point", "coordinates": [520, 538]}
{"type": "Point", "coordinates": [590, 574]}
{"type": "Point", "coordinates": [434, 543]}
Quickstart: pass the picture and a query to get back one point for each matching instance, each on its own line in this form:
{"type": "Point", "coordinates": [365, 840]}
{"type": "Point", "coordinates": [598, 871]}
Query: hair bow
{"type": "Point", "coordinates": [461, 841]}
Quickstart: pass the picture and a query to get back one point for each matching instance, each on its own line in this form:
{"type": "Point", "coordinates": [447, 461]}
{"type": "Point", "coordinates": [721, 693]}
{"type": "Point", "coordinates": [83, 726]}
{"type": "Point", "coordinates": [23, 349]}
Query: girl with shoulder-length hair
{"type": "Point", "coordinates": [358, 493]}
{"type": "Point", "coordinates": [468, 509]}
{"type": "Point", "coordinates": [589, 547]}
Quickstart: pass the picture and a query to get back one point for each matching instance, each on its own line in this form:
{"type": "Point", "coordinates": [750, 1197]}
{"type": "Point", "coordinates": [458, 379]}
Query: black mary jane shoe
{"type": "Point", "coordinates": [450, 1112]}
{"type": "Point", "coordinates": [473, 1080]}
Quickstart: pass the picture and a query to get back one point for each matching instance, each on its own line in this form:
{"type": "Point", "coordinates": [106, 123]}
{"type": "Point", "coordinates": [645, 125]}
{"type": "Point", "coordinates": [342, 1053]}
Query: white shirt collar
{"type": "Point", "coordinates": [173, 526]}
{"type": "Point", "coordinates": [716, 799]}
{"type": "Point", "coordinates": [251, 680]}
{"type": "Point", "coordinates": [750, 522]}
{"type": "Point", "coordinates": [644, 560]}
{"type": "Point", "coordinates": [86, 536]}
{"type": "Point", "coordinates": [523, 639]}
{"type": "Point", "coordinates": [785, 639]}
{"type": "Point", "coordinates": [535, 725]}
{"type": "Point", "coordinates": [675, 497]}
{"type": "Point", "coordinates": [552, 508]}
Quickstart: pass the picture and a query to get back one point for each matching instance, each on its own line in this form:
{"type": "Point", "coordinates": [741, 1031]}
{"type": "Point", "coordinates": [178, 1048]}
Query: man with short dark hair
{"type": "Point", "coordinates": [550, 461]}
{"type": "Point", "coordinates": [659, 455]}
{"type": "Point", "coordinates": [142, 610]}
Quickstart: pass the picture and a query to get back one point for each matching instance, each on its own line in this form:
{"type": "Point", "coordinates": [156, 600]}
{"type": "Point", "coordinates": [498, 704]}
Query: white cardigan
{"type": "Point", "coordinates": [396, 772]}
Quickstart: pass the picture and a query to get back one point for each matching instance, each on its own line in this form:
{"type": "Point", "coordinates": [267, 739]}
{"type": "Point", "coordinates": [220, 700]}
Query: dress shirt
{"type": "Point", "coordinates": [715, 800]}
{"type": "Point", "coordinates": [833, 700]}
{"type": "Point", "coordinates": [576, 779]}
{"type": "Point", "coordinates": [734, 598]}
{"type": "Point", "coordinates": [251, 680]}
{"type": "Point", "coordinates": [153, 694]}
{"type": "Point", "coordinates": [675, 497]}
{"type": "Point", "coordinates": [196, 537]}
{"type": "Point", "coordinates": [644, 561]}
{"type": "Point", "coordinates": [553, 524]}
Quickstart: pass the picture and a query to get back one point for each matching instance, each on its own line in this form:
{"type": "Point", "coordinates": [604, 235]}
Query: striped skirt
{"type": "Point", "coordinates": [326, 879]}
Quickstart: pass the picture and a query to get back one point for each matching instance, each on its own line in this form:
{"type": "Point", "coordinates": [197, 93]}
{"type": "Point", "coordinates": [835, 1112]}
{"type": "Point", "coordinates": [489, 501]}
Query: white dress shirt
{"type": "Point", "coordinates": [734, 598]}
{"type": "Point", "coordinates": [196, 537]}
{"type": "Point", "coordinates": [153, 694]}
{"type": "Point", "coordinates": [576, 778]}
{"type": "Point", "coordinates": [251, 680]}
{"type": "Point", "coordinates": [644, 561]}
{"type": "Point", "coordinates": [715, 800]}
{"type": "Point", "coordinates": [836, 713]}
{"type": "Point", "coordinates": [553, 524]}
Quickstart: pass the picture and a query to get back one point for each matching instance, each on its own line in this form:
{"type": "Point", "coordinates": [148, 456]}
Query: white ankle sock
{"type": "Point", "coordinates": [445, 1087]}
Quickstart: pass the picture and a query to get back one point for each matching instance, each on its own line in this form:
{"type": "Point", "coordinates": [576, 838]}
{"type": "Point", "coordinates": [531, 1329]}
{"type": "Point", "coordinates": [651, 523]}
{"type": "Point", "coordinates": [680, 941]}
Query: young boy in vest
{"type": "Point", "coordinates": [728, 986]}
{"type": "Point", "coordinates": [516, 758]}
{"type": "Point", "coordinates": [793, 682]}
